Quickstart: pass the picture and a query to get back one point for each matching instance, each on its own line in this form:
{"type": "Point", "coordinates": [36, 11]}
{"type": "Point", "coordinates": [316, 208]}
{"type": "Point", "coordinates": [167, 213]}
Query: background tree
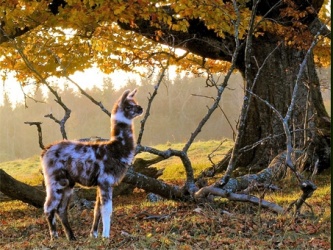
{"type": "Point", "coordinates": [265, 40]}
{"type": "Point", "coordinates": [78, 34]}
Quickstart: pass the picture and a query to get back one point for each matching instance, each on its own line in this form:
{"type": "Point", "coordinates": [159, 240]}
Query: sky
{"type": "Point", "coordinates": [87, 79]}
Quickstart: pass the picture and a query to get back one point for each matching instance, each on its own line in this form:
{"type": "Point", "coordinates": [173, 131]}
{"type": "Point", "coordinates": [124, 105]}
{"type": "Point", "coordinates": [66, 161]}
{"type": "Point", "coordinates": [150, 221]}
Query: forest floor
{"type": "Point", "coordinates": [139, 224]}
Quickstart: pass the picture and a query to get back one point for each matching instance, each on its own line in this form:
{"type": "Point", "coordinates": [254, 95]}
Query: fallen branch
{"type": "Point", "coordinates": [307, 187]}
{"type": "Point", "coordinates": [147, 216]}
{"type": "Point", "coordinates": [211, 190]}
{"type": "Point", "coordinates": [21, 191]}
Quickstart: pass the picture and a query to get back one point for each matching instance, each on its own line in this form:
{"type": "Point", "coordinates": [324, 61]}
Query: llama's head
{"type": "Point", "coordinates": [126, 108]}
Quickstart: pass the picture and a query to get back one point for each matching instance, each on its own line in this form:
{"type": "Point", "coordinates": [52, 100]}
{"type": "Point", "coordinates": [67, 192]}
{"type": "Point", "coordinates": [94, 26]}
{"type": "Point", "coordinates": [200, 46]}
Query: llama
{"type": "Point", "coordinates": [101, 164]}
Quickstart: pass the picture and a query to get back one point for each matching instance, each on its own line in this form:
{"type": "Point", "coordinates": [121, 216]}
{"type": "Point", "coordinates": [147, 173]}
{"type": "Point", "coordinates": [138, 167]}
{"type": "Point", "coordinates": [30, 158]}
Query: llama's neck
{"type": "Point", "coordinates": [121, 129]}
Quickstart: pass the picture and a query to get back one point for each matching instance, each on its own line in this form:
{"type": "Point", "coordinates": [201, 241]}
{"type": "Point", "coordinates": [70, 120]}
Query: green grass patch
{"type": "Point", "coordinates": [198, 154]}
{"type": "Point", "coordinates": [28, 170]}
{"type": "Point", "coordinates": [327, 105]}
{"type": "Point", "coordinates": [25, 170]}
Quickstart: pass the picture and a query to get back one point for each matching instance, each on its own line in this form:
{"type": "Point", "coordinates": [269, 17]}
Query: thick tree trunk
{"type": "Point", "coordinates": [275, 84]}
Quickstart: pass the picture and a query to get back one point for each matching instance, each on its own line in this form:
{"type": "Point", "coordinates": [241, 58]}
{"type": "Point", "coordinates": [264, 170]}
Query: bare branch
{"type": "Point", "coordinates": [31, 67]}
{"type": "Point", "coordinates": [82, 91]}
{"type": "Point", "coordinates": [39, 130]}
{"type": "Point", "coordinates": [150, 101]}
{"type": "Point", "coordinates": [245, 108]}
{"type": "Point", "coordinates": [169, 153]}
{"type": "Point", "coordinates": [221, 88]}
{"type": "Point", "coordinates": [211, 190]}
{"type": "Point", "coordinates": [224, 114]}
{"type": "Point", "coordinates": [307, 186]}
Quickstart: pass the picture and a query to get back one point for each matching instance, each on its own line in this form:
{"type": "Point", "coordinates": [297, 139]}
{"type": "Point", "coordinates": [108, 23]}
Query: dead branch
{"type": "Point", "coordinates": [169, 153]}
{"type": "Point", "coordinates": [82, 91]}
{"type": "Point", "coordinates": [159, 217]}
{"type": "Point", "coordinates": [39, 130]}
{"type": "Point", "coordinates": [211, 190]}
{"type": "Point", "coordinates": [276, 171]}
{"type": "Point", "coordinates": [58, 100]}
{"type": "Point", "coordinates": [307, 186]}
{"type": "Point", "coordinates": [220, 90]}
{"type": "Point", "coordinates": [21, 191]}
{"type": "Point", "coordinates": [150, 101]}
{"type": "Point", "coordinates": [245, 108]}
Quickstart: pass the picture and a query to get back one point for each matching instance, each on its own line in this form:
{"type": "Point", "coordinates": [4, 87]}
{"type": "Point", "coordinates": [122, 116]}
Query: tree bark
{"type": "Point", "coordinates": [275, 84]}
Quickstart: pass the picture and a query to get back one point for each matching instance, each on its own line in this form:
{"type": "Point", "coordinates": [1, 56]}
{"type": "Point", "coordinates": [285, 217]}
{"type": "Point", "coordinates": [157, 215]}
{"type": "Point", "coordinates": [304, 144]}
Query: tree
{"type": "Point", "coordinates": [265, 40]}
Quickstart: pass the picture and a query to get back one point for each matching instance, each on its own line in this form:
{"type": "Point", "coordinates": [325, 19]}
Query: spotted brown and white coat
{"type": "Point", "coordinates": [101, 164]}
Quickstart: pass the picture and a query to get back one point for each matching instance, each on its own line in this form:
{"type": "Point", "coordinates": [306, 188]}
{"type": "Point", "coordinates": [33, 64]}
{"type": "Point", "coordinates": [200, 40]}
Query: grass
{"type": "Point", "coordinates": [327, 105]}
{"type": "Point", "coordinates": [181, 225]}
{"type": "Point", "coordinates": [198, 153]}
{"type": "Point", "coordinates": [28, 170]}
{"type": "Point", "coordinates": [25, 170]}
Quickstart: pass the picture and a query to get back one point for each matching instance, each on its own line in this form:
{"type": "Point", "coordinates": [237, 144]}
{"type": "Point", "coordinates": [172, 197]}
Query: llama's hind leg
{"type": "Point", "coordinates": [51, 221]}
{"type": "Point", "coordinates": [62, 213]}
{"type": "Point", "coordinates": [50, 206]}
{"type": "Point", "coordinates": [97, 216]}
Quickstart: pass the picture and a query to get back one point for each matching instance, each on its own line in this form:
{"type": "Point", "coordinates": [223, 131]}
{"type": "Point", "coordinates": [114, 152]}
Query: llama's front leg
{"type": "Point", "coordinates": [97, 215]}
{"type": "Point", "coordinates": [106, 210]}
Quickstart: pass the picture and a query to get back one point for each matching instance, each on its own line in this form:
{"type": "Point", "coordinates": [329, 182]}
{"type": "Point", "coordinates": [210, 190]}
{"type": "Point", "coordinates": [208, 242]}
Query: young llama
{"type": "Point", "coordinates": [101, 164]}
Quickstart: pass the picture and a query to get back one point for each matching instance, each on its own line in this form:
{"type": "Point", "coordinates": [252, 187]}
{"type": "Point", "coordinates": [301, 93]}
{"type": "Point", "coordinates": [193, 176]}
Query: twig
{"type": "Point", "coordinates": [150, 101]}
{"type": "Point", "coordinates": [39, 130]}
{"type": "Point", "coordinates": [224, 114]}
{"type": "Point", "coordinates": [82, 91]}
{"type": "Point", "coordinates": [147, 216]}
{"type": "Point", "coordinates": [209, 156]}
{"type": "Point", "coordinates": [247, 100]}
{"type": "Point", "coordinates": [30, 66]}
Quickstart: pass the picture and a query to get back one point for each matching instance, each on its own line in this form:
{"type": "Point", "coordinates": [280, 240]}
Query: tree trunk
{"type": "Point", "coordinates": [275, 84]}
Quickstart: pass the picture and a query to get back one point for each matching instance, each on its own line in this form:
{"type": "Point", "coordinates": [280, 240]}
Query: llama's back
{"type": "Point", "coordinates": [71, 160]}
{"type": "Point", "coordinates": [85, 163]}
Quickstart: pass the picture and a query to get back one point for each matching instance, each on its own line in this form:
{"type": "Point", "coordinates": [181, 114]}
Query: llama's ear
{"type": "Point", "coordinates": [132, 94]}
{"type": "Point", "coordinates": [124, 96]}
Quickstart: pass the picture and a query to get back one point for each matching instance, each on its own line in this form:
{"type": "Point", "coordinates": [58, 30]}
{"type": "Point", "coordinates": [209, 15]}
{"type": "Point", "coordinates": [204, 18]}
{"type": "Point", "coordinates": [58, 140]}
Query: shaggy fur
{"type": "Point", "coordinates": [101, 164]}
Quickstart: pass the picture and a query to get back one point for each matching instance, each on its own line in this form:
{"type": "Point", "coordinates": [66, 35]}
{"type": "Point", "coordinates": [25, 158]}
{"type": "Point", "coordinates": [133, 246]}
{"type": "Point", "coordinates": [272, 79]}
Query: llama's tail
{"type": "Point", "coordinates": [62, 183]}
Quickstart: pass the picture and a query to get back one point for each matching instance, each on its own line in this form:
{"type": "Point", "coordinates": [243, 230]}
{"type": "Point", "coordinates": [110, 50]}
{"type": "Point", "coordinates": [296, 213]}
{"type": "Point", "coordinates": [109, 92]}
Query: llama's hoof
{"type": "Point", "coordinates": [72, 238]}
{"type": "Point", "coordinates": [54, 235]}
{"type": "Point", "coordinates": [93, 234]}
{"type": "Point", "coordinates": [105, 238]}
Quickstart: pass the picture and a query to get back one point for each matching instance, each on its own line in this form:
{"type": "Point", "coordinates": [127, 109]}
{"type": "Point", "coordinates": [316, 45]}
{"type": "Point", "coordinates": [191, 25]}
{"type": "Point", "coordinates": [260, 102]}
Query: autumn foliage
{"type": "Point", "coordinates": [62, 37]}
